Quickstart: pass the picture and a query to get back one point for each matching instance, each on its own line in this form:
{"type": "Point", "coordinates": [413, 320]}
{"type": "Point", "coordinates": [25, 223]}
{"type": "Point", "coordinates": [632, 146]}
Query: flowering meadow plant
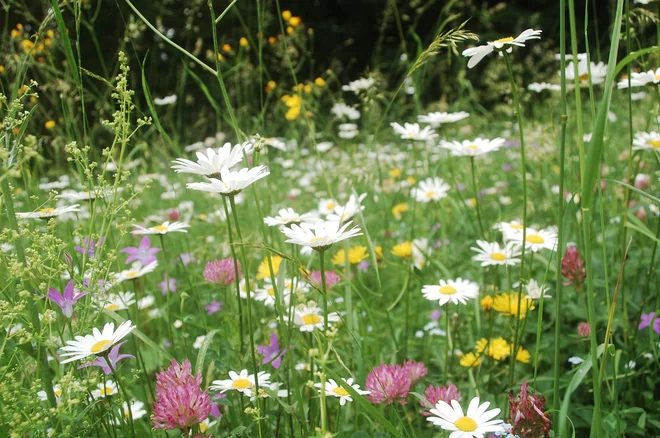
{"type": "Point", "coordinates": [215, 228]}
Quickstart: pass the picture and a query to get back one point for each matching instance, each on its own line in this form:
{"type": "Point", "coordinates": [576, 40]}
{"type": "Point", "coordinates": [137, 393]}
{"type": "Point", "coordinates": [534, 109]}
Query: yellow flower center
{"type": "Point", "coordinates": [340, 391]}
{"type": "Point", "coordinates": [430, 194]}
{"type": "Point", "coordinates": [473, 146]}
{"type": "Point", "coordinates": [57, 392]}
{"type": "Point", "coordinates": [466, 424]}
{"type": "Point", "coordinates": [654, 144]}
{"type": "Point", "coordinates": [131, 274]}
{"type": "Point", "coordinates": [535, 239]}
{"type": "Point", "coordinates": [447, 290]}
{"type": "Point", "coordinates": [311, 319]}
{"type": "Point", "coordinates": [161, 228]}
{"type": "Point", "coordinates": [498, 256]}
{"type": "Point", "coordinates": [516, 226]}
{"type": "Point", "coordinates": [203, 427]}
{"type": "Point", "coordinates": [315, 239]}
{"type": "Point", "coordinates": [330, 206]}
{"type": "Point", "coordinates": [584, 77]}
{"type": "Point", "coordinates": [46, 210]}
{"type": "Point", "coordinates": [271, 291]}
{"type": "Point", "coordinates": [241, 383]}
{"type": "Point", "coordinates": [504, 40]}
{"type": "Point", "coordinates": [106, 391]}
{"type": "Point", "coordinates": [112, 307]}
{"type": "Point", "coordinates": [99, 345]}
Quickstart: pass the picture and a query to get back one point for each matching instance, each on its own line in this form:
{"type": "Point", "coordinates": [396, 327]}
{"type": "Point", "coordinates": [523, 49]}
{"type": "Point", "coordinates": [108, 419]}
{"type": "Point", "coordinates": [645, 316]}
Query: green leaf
{"type": "Point", "coordinates": [636, 190]}
{"type": "Point", "coordinates": [199, 363]}
{"type": "Point", "coordinates": [64, 37]}
{"type": "Point", "coordinates": [152, 108]}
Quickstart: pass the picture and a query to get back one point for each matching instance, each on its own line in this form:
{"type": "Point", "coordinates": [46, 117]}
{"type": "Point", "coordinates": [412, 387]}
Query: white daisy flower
{"type": "Point", "coordinates": [419, 251]}
{"type": "Point", "coordinates": [164, 228]}
{"type": "Point", "coordinates": [310, 317]}
{"type": "Point", "coordinates": [137, 410]}
{"type": "Point", "coordinates": [359, 85]}
{"type": "Point", "coordinates": [115, 302]}
{"type": "Point", "coordinates": [334, 390]}
{"type": "Point", "coordinates": [436, 119]}
{"type": "Point", "coordinates": [62, 183]}
{"type": "Point", "coordinates": [49, 212]}
{"type": "Point", "coordinates": [96, 343]}
{"type": "Point", "coordinates": [472, 148]}
{"type": "Point", "coordinates": [586, 70]}
{"type": "Point", "coordinates": [430, 189]}
{"type": "Point", "coordinates": [508, 228]}
{"type": "Point", "coordinates": [535, 291]}
{"type": "Point", "coordinates": [340, 109]}
{"type": "Point", "coordinates": [266, 294]}
{"type": "Point", "coordinates": [57, 390]}
{"type": "Point", "coordinates": [324, 146]}
{"type": "Point", "coordinates": [455, 291]}
{"type": "Point", "coordinates": [321, 235]}
{"type": "Point", "coordinates": [274, 387]}
{"type": "Point", "coordinates": [476, 54]}
{"type": "Point", "coordinates": [104, 390]}
{"type": "Point", "coordinates": [475, 423]}
{"type": "Point", "coordinates": [241, 382]}
{"type": "Point", "coordinates": [210, 164]}
{"type": "Point", "coordinates": [231, 182]}
{"type": "Point", "coordinates": [74, 196]}
{"type": "Point", "coordinates": [137, 270]}
{"type": "Point", "coordinates": [345, 212]}
{"type": "Point", "coordinates": [412, 131]}
{"type": "Point", "coordinates": [540, 87]}
{"type": "Point", "coordinates": [327, 206]}
{"type": "Point", "coordinates": [534, 240]}
{"type": "Point", "coordinates": [491, 253]}
{"type": "Point", "coordinates": [641, 79]}
{"type": "Point", "coordinates": [277, 143]}
{"type": "Point", "coordinates": [647, 141]}
{"type": "Point", "coordinates": [205, 425]}
{"type": "Point", "coordinates": [146, 302]}
{"type": "Point", "coordinates": [287, 216]}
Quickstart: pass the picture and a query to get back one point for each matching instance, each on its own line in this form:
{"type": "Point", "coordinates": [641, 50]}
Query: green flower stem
{"type": "Point", "coordinates": [517, 110]}
{"type": "Point", "coordinates": [476, 198]}
{"type": "Point", "coordinates": [236, 276]}
{"type": "Point", "coordinates": [167, 289]}
{"type": "Point", "coordinates": [42, 361]}
{"type": "Point", "coordinates": [125, 395]}
{"type": "Point", "coordinates": [447, 344]}
{"type": "Point", "coordinates": [324, 413]}
{"type": "Point", "coordinates": [253, 356]}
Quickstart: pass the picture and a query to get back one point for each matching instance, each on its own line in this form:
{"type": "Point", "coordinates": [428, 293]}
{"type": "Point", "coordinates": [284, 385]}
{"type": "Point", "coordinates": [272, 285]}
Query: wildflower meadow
{"type": "Point", "coordinates": [238, 218]}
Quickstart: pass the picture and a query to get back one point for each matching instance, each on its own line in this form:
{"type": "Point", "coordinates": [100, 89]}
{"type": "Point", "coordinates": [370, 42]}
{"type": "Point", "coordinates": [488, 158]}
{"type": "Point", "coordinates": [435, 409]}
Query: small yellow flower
{"type": "Point", "coordinates": [50, 33]}
{"type": "Point", "coordinates": [471, 202]}
{"type": "Point", "coordinates": [379, 252]}
{"type": "Point", "coordinates": [50, 124]}
{"type": "Point", "coordinates": [291, 100]}
{"type": "Point", "coordinates": [243, 42]}
{"type": "Point", "coordinates": [487, 302]}
{"type": "Point", "coordinates": [295, 21]}
{"type": "Point", "coordinates": [264, 271]}
{"type": "Point", "coordinates": [2, 69]}
{"type": "Point", "coordinates": [27, 45]}
{"type": "Point", "coordinates": [290, 30]}
{"type": "Point", "coordinates": [355, 255]}
{"type": "Point", "coordinates": [298, 87]}
{"type": "Point", "coordinates": [220, 57]}
{"type": "Point", "coordinates": [286, 15]}
{"type": "Point", "coordinates": [498, 348]}
{"type": "Point", "coordinates": [399, 209]}
{"type": "Point", "coordinates": [226, 48]}
{"type": "Point", "coordinates": [293, 113]}
{"type": "Point", "coordinates": [508, 305]}
{"type": "Point", "coordinates": [272, 40]}
{"type": "Point", "coordinates": [403, 250]}
{"type": "Point", "coordinates": [320, 82]}
{"type": "Point", "coordinates": [411, 180]}
{"type": "Point", "coordinates": [395, 173]}
{"type": "Point", "coordinates": [470, 360]}
{"type": "Point", "coordinates": [307, 88]}
{"type": "Point", "coordinates": [523, 355]}
{"type": "Point", "coordinates": [270, 86]}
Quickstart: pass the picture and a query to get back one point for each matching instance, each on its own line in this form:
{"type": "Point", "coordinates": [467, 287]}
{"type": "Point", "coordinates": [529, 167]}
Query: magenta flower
{"type": "Point", "coordinates": [164, 287]}
{"type": "Point", "coordinates": [331, 278]}
{"type": "Point", "coordinates": [180, 403]}
{"type": "Point", "coordinates": [584, 329]}
{"type": "Point", "coordinates": [67, 300]}
{"type": "Point", "coordinates": [213, 307]}
{"type": "Point", "coordinates": [89, 247]}
{"type": "Point", "coordinates": [143, 253]}
{"type": "Point", "coordinates": [388, 384]}
{"type": "Point", "coordinates": [436, 315]}
{"type": "Point", "coordinates": [272, 353]}
{"type": "Point", "coordinates": [187, 258]}
{"type": "Point", "coordinates": [436, 393]}
{"type": "Point", "coordinates": [222, 271]}
{"type": "Point", "coordinates": [647, 319]}
{"type": "Point", "coordinates": [113, 357]}
{"type": "Point", "coordinates": [572, 267]}
{"type": "Point", "coordinates": [527, 416]}
{"type": "Point", "coordinates": [415, 370]}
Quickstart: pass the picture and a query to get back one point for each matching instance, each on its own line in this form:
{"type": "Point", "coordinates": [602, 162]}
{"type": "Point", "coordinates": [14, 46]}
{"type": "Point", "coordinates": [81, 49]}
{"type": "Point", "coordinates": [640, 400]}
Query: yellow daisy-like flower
{"type": "Point", "coordinates": [295, 21]}
{"type": "Point", "coordinates": [264, 271]}
{"type": "Point", "coordinates": [395, 173]}
{"type": "Point", "coordinates": [379, 252]}
{"type": "Point", "coordinates": [403, 250]}
{"type": "Point", "coordinates": [508, 305]}
{"type": "Point", "coordinates": [399, 209]}
{"type": "Point", "coordinates": [470, 360]}
{"type": "Point", "coordinates": [487, 302]}
{"type": "Point", "coordinates": [286, 15]}
{"type": "Point", "coordinates": [523, 355]}
{"type": "Point", "coordinates": [243, 42]}
{"type": "Point", "coordinates": [355, 255]}
{"type": "Point", "coordinates": [319, 82]}
{"type": "Point", "coordinates": [497, 348]}
{"type": "Point", "coordinates": [50, 124]}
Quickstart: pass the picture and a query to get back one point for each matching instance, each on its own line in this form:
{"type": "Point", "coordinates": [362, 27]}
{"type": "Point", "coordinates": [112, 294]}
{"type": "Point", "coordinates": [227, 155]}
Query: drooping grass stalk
{"type": "Point", "coordinates": [476, 198]}
{"type": "Point", "coordinates": [517, 110]}
{"type": "Point", "coordinates": [42, 360]}
{"type": "Point", "coordinates": [561, 204]}
{"type": "Point", "coordinates": [253, 356]}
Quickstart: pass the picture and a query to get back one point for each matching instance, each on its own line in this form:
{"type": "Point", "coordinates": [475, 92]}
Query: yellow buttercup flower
{"type": "Point", "coordinates": [403, 250]}
{"type": "Point", "coordinates": [399, 209]}
{"type": "Point", "coordinates": [27, 45]}
{"type": "Point", "coordinates": [270, 86]}
{"type": "Point", "coordinates": [355, 255]}
{"type": "Point", "coordinates": [320, 82]}
{"type": "Point", "coordinates": [307, 88]}
{"type": "Point", "coordinates": [243, 42]}
{"type": "Point", "coordinates": [295, 21]}
{"type": "Point", "coordinates": [292, 113]}
{"type": "Point", "coordinates": [395, 173]}
{"type": "Point", "coordinates": [290, 30]}
{"type": "Point", "coordinates": [523, 355]}
{"type": "Point", "coordinates": [50, 124]}
{"type": "Point", "coordinates": [487, 302]}
{"type": "Point", "coordinates": [264, 271]}
{"type": "Point", "coordinates": [379, 252]}
{"type": "Point", "coordinates": [226, 48]}
{"type": "Point", "coordinates": [497, 348]}
{"type": "Point", "coordinates": [286, 15]}
{"type": "Point", "coordinates": [508, 304]}
{"type": "Point", "coordinates": [470, 360]}
{"type": "Point", "coordinates": [272, 40]}
{"type": "Point", "coordinates": [2, 69]}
